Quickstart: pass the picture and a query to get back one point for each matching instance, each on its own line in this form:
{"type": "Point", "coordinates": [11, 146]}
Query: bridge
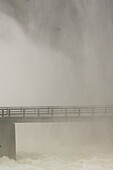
{"type": "Point", "coordinates": [11, 115]}
{"type": "Point", "coordinates": [54, 114]}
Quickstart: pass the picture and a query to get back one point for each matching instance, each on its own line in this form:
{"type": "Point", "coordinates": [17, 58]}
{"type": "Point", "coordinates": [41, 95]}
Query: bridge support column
{"type": "Point", "coordinates": [7, 140]}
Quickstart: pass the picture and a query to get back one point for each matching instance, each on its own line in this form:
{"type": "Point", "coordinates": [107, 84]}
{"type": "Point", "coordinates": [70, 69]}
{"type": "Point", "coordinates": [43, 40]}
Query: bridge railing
{"type": "Point", "coordinates": [26, 112]}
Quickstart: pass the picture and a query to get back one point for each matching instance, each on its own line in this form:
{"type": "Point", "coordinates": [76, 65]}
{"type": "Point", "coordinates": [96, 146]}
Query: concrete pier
{"type": "Point", "coordinates": [7, 140]}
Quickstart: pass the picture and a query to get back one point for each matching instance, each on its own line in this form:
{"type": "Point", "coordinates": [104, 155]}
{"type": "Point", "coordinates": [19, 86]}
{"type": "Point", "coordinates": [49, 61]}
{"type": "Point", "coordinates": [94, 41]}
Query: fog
{"type": "Point", "coordinates": [56, 53]}
{"type": "Point", "coordinates": [56, 58]}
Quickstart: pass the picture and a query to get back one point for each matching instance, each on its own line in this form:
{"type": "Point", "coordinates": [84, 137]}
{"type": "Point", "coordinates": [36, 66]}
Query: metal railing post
{"type": "Point", "coordinates": [2, 112]}
{"type": "Point", "coordinates": [38, 112]}
{"type": "Point", "coordinates": [34, 110]}
{"type": "Point", "coordinates": [48, 110]}
{"type": "Point", "coordinates": [79, 111]}
{"type": "Point", "coordinates": [66, 112]}
{"type": "Point", "coordinates": [9, 113]}
{"type": "Point", "coordinates": [52, 112]}
{"type": "Point", "coordinates": [23, 112]}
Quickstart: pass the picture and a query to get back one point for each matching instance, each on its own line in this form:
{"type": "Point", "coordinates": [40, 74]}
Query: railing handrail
{"type": "Point", "coordinates": [54, 111]}
{"type": "Point", "coordinates": [56, 107]}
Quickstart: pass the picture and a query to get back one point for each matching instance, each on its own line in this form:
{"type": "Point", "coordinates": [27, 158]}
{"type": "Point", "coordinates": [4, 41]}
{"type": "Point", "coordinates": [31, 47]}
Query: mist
{"type": "Point", "coordinates": [43, 68]}
{"type": "Point", "coordinates": [57, 53]}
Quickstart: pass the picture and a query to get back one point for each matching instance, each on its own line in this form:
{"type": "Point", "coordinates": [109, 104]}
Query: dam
{"type": "Point", "coordinates": [11, 115]}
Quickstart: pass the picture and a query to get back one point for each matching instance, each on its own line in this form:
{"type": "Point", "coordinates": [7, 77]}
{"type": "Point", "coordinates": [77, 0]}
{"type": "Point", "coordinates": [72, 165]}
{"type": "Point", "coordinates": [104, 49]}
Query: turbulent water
{"type": "Point", "coordinates": [57, 162]}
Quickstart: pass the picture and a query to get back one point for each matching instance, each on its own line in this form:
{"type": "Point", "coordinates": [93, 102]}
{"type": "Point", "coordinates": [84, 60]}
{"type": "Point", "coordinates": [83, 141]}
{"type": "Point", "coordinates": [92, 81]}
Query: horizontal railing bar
{"type": "Point", "coordinates": [57, 110]}
{"type": "Point", "coordinates": [82, 106]}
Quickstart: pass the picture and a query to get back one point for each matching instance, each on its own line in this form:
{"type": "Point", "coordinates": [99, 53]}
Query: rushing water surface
{"type": "Point", "coordinates": [27, 161]}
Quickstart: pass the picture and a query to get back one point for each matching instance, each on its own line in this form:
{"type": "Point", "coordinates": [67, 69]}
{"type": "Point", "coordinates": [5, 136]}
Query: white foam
{"type": "Point", "coordinates": [55, 162]}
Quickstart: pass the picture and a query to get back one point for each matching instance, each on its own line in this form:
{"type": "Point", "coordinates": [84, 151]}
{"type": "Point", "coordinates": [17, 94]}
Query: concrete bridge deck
{"type": "Point", "coordinates": [55, 114]}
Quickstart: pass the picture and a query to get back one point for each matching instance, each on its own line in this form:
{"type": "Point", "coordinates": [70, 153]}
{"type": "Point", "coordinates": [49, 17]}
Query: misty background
{"type": "Point", "coordinates": [56, 52]}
